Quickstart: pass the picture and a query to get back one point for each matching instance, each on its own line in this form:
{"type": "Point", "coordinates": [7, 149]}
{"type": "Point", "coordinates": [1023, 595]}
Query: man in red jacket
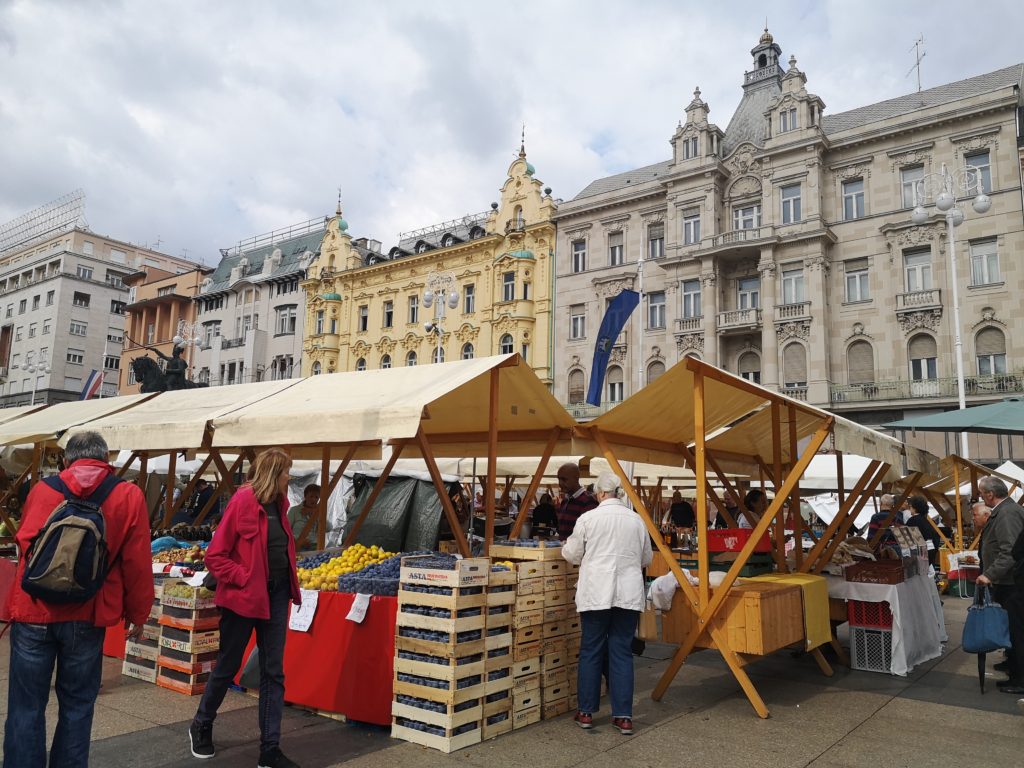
{"type": "Point", "coordinates": [71, 634]}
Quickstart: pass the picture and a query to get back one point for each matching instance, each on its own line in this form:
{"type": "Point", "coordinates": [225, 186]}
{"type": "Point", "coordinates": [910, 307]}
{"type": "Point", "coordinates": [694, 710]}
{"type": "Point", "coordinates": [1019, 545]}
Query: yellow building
{"type": "Point", "coordinates": [491, 273]}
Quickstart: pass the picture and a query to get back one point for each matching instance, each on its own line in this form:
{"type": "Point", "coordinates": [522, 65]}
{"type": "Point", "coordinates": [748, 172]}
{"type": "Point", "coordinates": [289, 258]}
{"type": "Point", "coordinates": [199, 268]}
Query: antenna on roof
{"type": "Point", "coordinates": [919, 53]}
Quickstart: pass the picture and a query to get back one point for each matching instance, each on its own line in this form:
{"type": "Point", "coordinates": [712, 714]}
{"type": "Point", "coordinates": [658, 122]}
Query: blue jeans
{"type": "Point", "coordinates": [235, 632]}
{"type": "Point", "coordinates": [608, 633]}
{"type": "Point", "coordinates": [76, 647]}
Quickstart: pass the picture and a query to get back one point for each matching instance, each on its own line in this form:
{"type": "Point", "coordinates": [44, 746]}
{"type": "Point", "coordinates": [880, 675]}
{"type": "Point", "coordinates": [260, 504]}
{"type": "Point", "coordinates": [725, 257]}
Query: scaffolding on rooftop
{"type": "Point", "coordinates": [58, 216]}
{"type": "Point", "coordinates": [277, 236]}
{"type": "Point", "coordinates": [466, 221]}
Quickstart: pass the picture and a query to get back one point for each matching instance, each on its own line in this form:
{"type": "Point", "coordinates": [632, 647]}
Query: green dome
{"type": "Point", "coordinates": [524, 254]}
{"type": "Point", "coordinates": [342, 225]}
{"type": "Point", "coordinates": [530, 170]}
{"type": "Point", "coordinates": [331, 297]}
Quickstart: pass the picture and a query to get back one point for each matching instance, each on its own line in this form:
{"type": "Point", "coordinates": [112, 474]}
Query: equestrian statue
{"type": "Point", "coordinates": [152, 379]}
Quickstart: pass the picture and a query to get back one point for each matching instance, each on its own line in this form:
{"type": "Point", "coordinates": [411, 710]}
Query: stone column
{"type": "Point", "coordinates": [816, 272]}
{"type": "Point", "coordinates": [709, 308]}
{"type": "Point", "coordinates": [769, 345]}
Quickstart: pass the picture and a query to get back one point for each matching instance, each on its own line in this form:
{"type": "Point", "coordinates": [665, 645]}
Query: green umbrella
{"type": "Point", "coordinates": [1005, 417]}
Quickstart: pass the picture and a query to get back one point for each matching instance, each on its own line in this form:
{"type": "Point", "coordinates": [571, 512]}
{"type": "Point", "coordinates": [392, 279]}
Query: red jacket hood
{"type": "Point", "coordinates": [85, 475]}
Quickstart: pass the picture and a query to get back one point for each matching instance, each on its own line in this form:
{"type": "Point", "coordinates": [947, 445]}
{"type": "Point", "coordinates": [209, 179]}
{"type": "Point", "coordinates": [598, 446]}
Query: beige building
{"type": "Point", "coordinates": [367, 309]}
{"type": "Point", "coordinates": [782, 249]}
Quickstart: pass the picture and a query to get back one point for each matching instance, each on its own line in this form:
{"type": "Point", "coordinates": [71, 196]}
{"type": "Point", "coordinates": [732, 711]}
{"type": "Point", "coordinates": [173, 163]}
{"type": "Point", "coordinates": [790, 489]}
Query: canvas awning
{"type": "Point", "coordinates": [1005, 417]}
{"type": "Point", "coordinates": [176, 420]}
{"type": "Point", "coordinates": [50, 423]}
{"type": "Point", "coordinates": [10, 414]}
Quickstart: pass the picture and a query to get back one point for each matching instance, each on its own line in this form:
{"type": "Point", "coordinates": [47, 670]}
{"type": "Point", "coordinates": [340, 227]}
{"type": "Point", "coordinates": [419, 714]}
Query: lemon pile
{"type": "Point", "coordinates": [324, 577]}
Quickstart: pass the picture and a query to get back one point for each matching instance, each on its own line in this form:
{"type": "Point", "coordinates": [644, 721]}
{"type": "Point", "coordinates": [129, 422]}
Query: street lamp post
{"type": "Point", "coordinates": [947, 189]}
{"type": "Point", "coordinates": [439, 293]}
{"type": "Point", "coordinates": [32, 369]}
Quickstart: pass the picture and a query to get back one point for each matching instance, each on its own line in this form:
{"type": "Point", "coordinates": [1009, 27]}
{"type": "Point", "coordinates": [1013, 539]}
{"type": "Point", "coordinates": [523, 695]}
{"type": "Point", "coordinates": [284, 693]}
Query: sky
{"type": "Point", "coordinates": [192, 125]}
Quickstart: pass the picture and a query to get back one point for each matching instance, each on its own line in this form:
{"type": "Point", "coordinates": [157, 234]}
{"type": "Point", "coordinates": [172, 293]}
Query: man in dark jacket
{"type": "Point", "coordinates": [576, 499]}
{"type": "Point", "coordinates": [71, 634]}
{"type": "Point", "coordinates": [998, 539]}
{"type": "Point", "coordinates": [919, 520]}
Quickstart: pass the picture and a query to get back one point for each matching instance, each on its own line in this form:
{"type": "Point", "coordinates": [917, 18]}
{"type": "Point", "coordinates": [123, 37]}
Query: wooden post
{"type": "Point", "coordinates": [325, 491]}
{"type": "Point", "coordinates": [840, 477]}
{"type": "Point", "coordinates": [225, 486]}
{"type": "Point", "coordinates": [143, 479]}
{"type": "Point", "coordinates": [779, 550]}
{"type": "Point", "coordinates": [396, 451]}
{"type": "Point", "coordinates": [959, 515]}
{"type": "Point", "coordinates": [729, 488]}
{"type": "Point", "coordinates": [531, 491]}
{"type": "Point", "coordinates": [442, 492]}
{"type": "Point", "coordinates": [841, 514]}
{"type": "Point", "coordinates": [191, 485]}
{"type": "Point", "coordinates": [127, 465]}
{"type": "Point", "coordinates": [700, 472]}
{"type": "Point", "coordinates": [794, 500]}
{"type": "Point", "coordinates": [908, 489]}
{"type": "Point", "coordinates": [492, 461]}
{"type": "Point", "coordinates": [855, 508]}
{"type": "Point", "coordinates": [321, 510]}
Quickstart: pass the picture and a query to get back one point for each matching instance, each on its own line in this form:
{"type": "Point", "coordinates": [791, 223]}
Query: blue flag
{"type": "Point", "coordinates": [619, 310]}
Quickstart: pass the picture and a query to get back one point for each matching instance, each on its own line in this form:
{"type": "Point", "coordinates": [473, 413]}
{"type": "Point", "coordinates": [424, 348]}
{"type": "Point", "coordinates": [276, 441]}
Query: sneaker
{"type": "Point", "coordinates": [200, 737]}
{"type": "Point", "coordinates": [584, 720]}
{"type": "Point", "coordinates": [275, 758]}
{"type": "Point", "coordinates": [624, 724]}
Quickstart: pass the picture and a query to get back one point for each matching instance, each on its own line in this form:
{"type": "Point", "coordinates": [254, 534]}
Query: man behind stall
{"type": "Point", "coordinates": [576, 500]}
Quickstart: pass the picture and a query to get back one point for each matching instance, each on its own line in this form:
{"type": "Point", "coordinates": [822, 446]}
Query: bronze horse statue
{"type": "Point", "coordinates": [152, 379]}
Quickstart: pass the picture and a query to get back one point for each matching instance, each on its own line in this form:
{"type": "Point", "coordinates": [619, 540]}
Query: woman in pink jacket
{"type": "Point", "coordinates": [252, 556]}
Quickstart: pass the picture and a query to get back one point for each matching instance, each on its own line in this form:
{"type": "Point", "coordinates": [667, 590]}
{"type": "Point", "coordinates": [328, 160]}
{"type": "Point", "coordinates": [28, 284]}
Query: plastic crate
{"type": "Point", "coordinates": [871, 649]}
{"type": "Point", "coordinates": [861, 613]}
{"type": "Point", "coordinates": [734, 539]}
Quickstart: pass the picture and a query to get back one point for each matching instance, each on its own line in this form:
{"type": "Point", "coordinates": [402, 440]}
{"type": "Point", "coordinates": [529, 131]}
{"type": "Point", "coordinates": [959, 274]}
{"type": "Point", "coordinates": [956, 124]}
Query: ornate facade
{"type": "Point", "coordinates": [367, 309]}
{"type": "Point", "coordinates": [782, 249]}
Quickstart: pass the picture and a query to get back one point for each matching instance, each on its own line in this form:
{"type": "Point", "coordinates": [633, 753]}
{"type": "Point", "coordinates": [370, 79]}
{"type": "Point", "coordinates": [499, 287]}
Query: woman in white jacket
{"type": "Point", "coordinates": [612, 547]}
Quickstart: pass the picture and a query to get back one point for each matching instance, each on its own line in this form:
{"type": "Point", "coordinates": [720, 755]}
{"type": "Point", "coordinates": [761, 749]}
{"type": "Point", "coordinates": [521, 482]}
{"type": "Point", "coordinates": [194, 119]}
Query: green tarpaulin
{"type": "Point", "coordinates": [1006, 417]}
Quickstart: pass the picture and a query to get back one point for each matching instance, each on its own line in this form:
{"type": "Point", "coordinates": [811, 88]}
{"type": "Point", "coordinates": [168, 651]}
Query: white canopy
{"type": "Point", "coordinates": [48, 424]}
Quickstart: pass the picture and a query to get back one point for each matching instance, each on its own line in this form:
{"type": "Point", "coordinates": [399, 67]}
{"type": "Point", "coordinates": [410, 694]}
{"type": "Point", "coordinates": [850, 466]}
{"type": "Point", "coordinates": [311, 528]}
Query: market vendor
{"type": "Point", "coordinates": [576, 500]}
{"type": "Point", "coordinates": [299, 516]}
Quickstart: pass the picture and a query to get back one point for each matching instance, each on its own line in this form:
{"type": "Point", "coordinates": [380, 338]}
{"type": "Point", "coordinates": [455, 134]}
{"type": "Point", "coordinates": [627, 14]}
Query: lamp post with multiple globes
{"type": "Point", "coordinates": [440, 293]}
{"type": "Point", "coordinates": [34, 369]}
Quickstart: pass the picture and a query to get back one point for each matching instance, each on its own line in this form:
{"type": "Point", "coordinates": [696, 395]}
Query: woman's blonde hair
{"type": "Point", "coordinates": [264, 473]}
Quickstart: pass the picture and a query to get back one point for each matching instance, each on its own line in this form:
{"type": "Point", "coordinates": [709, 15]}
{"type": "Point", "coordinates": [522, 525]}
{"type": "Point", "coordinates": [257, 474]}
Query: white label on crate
{"type": "Point", "coordinates": [197, 579]}
{"type": "Point", "coordinates": [358, 610]}
{"type": "Point", "coordinates": [302, 615]}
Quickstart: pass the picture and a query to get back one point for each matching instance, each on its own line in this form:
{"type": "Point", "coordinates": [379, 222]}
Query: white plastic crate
{"type": "Point", "coordinates": [871, 649]}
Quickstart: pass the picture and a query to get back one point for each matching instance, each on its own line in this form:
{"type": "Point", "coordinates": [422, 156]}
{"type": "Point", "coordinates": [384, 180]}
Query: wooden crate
{"type": "Point", "coordinates": [189, 663]}
{"type": "Point", "coordinates": [555, 628]}
{"type": "Point", "coordinates": [559, 598]}
{"type": "Point", "coordinates": [497, 702]}
{"type": "Point", "coordinates": [187, 618]}
{"type": "Point", "coordinates": [502, 638]}
{"type": "Point", "coordinates": [554, 707]}
{"type": "Point", "coordinates": [447, 645]}
{"type": "Point", "coordinates": [502, 578]}
{"type": "Point", "coordinates": [528, 571]}
{"type": "Point", "coordinates": [525, 699]}
{"type": "Point", "coordinates": [526, 667]}
{"type": "Point", "coordinates": [139, 668]}
{"type": "Point", "coordinates": [450, 695]}
{"type": "Point", "coordinates": [451, 598]}
{"type": "Point", "coordinates": [499, 616]}
{"type": "Point", "coordinates": [553, 660]}
{"type": "Point", "coordinates": [523, 619]}
{"type": "Point", "coordinates": [497, 724]}
{"type": "Point", "coordinates": [142, 649]}
{"type": "Point", "coordinates": [524, 717]}
{"type": "Point", "coordinates": [499, 679]}
{"type": "Point", "coordinates": [498, 658]}
{"type": "Point", "coordinates": [553, 677]}
{"type": "Point", "coordinates": [445, 668]}
{"type": "Point", "coordinates": [555, 567]}
{"type": "Point", "coordinates": [197, 599]}
{"type": "Point", "coordinates": [448, 743]}
{"type": "Point", "coordinates": [555, 613]}
{"type": "Point", "coordinates": [468, 572]}
{"type": "Point", "coordinates": [523, 651]}
{"type": "Point", "coordinates": [530, 634]}
{"type": "Point", "coordinates": [530, 587]}
{"type": "Point", "coordinates": [527, 603]}
{"type": "Point", "coordinates": [450, 718]}
{"type": "Point", "coordinates": [512, 552]}
{"type": "Point", "coordinates": [572, 623]}
{"type": "Point", "coordinates": [452, 624]}
{"type": "Point", "coordinates": [182, 682]}
{"type": "Point", "coordinates": [501, 595]}
{"type": "Point", "coordinates": [526, 683]}
{"type": "Point", "coordinates": [554, 583]}
{"type": "Point", "coordinates": [189, 640]}
{"type": "Point", "coordinates": [758, 618]}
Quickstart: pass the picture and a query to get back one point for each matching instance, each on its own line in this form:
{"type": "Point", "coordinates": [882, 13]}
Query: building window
{"type": "Point", "coordinates": [361, 364]}
{"type": "Point", "coordinates": [114, 336]}
{"type": "Point", "coordinates": [76, 356]}
{"type": "Point", "coordinates": [923, 358]}
{"type": "Point", "coordinates": [84, 272]}
{"type": "Point", "coordinates": [908, 183]}
{"type": "Point", "coordinates": [505, 346]}
{"type": "Point", "coordinates": [791, 204]}
{"type": "Point", "coordinates": [526, 291]}
{"type": "Point", "coordinates": [691, 298]}
{"type": "Point", "coordinates": [792, 286]}
{"type": "Point", "coordinates": [749, 367]}
{"type": "Point", "coordinates": [115, 279]}
{"type": "Point", "coordinates": [87, 247]}
{"type": "Point", "coordinates": [656, 241]}
{"type": "Point", "coordinates": [117, 307]}
{"type": "Point", "coordinates": [150, 333]}
{"type": "Point", "coordinates": [990, 346]}
{"type": "Point", "coordinates": [131, 376]}
{"type": "Point", "coordinates": [286, 320]}
{"type": "Point", "coordinates": [46, 326]}
{"type": "Point", "coordinates": [794, 365]}
{"type": "Point", "coordinates": [79, 328]}
{"type": "Point", "coordinates": [35, 302]}
{"type": "Point", "coordinates": [49, 298]}
{"type": "Point", "coordinates": [210, 332]}
{"type": "Point", "coordinates": [746, 217]}
{"type": "Point", "coordinates": [438, 354]}
{"type": "Point", "coordinates": [385, 362]}
{"type": "Point", "coordinates": [856, 271]}
{"type": "Point", "coordinates": [467, 351]}
{"type": "Point", "coordinates": [316, 368]}
{"type": "Point", "coordinates": [17, 333]}
{"type": "Point", "coordinates": [654, 370]}
{"type": "Point", "coordinates": [615, 384]}
{"type": "Point", "coordinates": [690, 148]}
{"type": "Point", "coordinates": [23, 306]}
{"type": "Point", "coordinates": [10, 310]}
{"type": "Point", "coordinates": [787, 120]}
{"type": "Point", "coordinates": [112, 362]}
{"type": "Point", "coordinates": [579, 255]}
{"type": "Point", "coordinates": [691, 227]}
{"type": "Point", "coordinates": [389, 314]}
{"type": "Point", "coordinates": [860, 363]}
{"type": "Point", "coordinates": [748, 293]}
{"type": "Point", "coordinates": [364, 318]}
{"type": "Point", "coordinates": [917, 269]}
{"type": "Point", "coordinates": [32, 330]}
{"type": "Point", "coordinates": [656, 310]}
{"type": "Point", "coordinates": [577, 388]}
{"type": "Point", "coordinates": [853, 199]}
{"type": "Point", "coordinates": [980, 162]}
{"type": "Point", "coordinates": [318, 328]}
{"type": "Point", "coordinates": [577, 321]}
{"type": "Point", "coordinates": [410, 360]}
{"type": "Point", "coordinates": [414, 310]}
{"type": "Point", "coordinates": [469, 298]}
{"type": "Point", "coordinates": [984, 262]}
{"type": "Point", "coordinates": [615, 257]}
{"type": "Point", "coordinates": [508, 286]}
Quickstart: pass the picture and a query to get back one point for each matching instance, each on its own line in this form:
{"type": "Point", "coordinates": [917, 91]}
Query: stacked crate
{"type": "Point", "coordinates": [870, 635]}
{"type": "Point", "coordinates": [441, 653]}
{"type": "Point", "coordinates": [140, 656]}
{"type": "Point", "coordinates": [554, 660]}
{"type": "Point", "coordinates": [573, 631]}
{"type": "Point", "coordinates": [501, 597]}
{"type": "Point", "coordinates": [189, 638]}
{"type": "Point", "coordinates": [527, 636]}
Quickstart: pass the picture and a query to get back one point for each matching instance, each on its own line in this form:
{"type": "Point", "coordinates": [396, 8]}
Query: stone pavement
{"type": "Point", "coordinates": [936, 716]}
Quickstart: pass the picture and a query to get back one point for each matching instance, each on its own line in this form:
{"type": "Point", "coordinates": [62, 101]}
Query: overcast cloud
{"type": "Point", "coordinates": [204, 123]}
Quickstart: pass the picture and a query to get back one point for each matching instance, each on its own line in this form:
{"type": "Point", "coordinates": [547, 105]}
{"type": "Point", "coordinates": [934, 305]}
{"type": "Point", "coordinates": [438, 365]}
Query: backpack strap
{"type": "Point", "coordinates": [97, 497]}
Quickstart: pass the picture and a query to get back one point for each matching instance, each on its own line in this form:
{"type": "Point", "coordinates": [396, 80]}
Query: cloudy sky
{"type": "Point", "coordinates": [199, 124]}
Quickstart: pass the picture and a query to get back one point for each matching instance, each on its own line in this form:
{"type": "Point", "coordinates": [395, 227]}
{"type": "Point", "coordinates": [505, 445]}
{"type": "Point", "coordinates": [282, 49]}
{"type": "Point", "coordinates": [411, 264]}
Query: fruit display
{"type": "Point", "coordinates": [502, 565]}
{"type": "Point", "coordinates": [185, 591]}
{"type": "Point", "coordinates": [186, 532]}
{"type": "Point", "coordinates": [532, 543]}
{"type": "Point", "coordinates": [325, 573]}
{"type": "Point", "coordinates": [194, 556]}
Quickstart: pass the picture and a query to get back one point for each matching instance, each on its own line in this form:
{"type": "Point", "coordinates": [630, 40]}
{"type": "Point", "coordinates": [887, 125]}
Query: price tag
{"type": "Point", "coordinates": [358, 610]}
{"type": "Point", "coordinates": [302, 615]}
{"type": "Point", "coordinates": [197, 579]}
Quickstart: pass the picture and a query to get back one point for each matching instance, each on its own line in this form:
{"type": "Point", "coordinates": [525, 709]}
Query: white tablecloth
{"type": "Point", "coordinates": [918, 626]}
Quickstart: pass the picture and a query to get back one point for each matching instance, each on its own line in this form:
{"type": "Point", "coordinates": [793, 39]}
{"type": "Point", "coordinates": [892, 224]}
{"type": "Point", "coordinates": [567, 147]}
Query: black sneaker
{"type": "Point", "coordinates": [275, 758]}
{"type": "Point", "coordinates": [200, 736]}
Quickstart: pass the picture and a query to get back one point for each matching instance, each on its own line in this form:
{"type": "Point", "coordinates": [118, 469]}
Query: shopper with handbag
{"type": "Point", "coordinates": [252, 557]}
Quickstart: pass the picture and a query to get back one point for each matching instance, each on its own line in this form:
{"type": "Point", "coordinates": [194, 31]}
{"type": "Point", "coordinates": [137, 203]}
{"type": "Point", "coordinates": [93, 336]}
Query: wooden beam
{"type": "Point", "coordinates": [841, 514]}
{"type": "Point", "coordinates": [538, 476]}
{"type": "Point", "coordinates": [908, 488]}
{"type": "Point", "coordinates": [325, 492]}
{"type": "Point", "coordinates": [143, 479]}
{"type": "Point", "coordinates": [396, 451]}
{"type": "Point", "coordinates": [845, 525]}
{"type": "Point", "coordinates": [125, 467]}
{"type": "Point", "coordinates": [169, 483]}
{"type": "Point", "coordinates": [225, 487]}
{"type": "Point", "coordinates": [442, 491]}
{"type": "Point", "coordinates": [840, 477]}
{"type": "Point", "coordinates": [349, 454]}
{"type": "Point", "coordinates": [492, 461]}
{"type": "Point", "coordinates": [933, 499]}
{"type": "Point", "coordinates": [700, 472]}
{"type": "Point", "coordinates": [959, 514]}
{"type": "Point", "coordinates": [778, 551]}
{"type": "Point", "coordinates": [794, 501]}
{"type": "Point", "coordinates": [729, 488]}
{"type": "Point", "coordinates": [321, 507]}
{"type": "Point", "coordinates": [735, 382]}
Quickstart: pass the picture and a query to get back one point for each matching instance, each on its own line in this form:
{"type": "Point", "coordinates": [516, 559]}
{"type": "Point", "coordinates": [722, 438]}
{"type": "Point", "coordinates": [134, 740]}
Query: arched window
{"type": "Point", "coordinates": [316, 368]}
{"type": "Point", "coordinates": [694, 355]}
{"type": "Point", "coordinates": [615, 387]}
{"type": "Point", "coordinates": [361, 364]}
{"type": "Point", "coordinates": [410, 359]}
{"type": "Point", "coordinates": [860, 363]}
{"type": "Point", "coordinates": [438, 354]}
{"type": "Point", "coordinates": [467, 351]}
{"type": "Point", "coordinates": [923, 358]}
{"type": "Point", "coordinates": [749, 367]}
{"type": "Point", "coordinates": [476, 233]}
{"type": "Point", "coordinates": [654, 370]}
{"type": "Point", "coordinates": [448, 241]}
{"type": "Point", "coordinates": [505, 345]}
{"type": "Point", "coordinates": [577, 387]}
{"type": "Point", "coordinates": [517, 217]}
{"type": "Point", "coordinates": [385, 361]}
{"type": "Point", "coordinates": [422, 247]}
{"type": "Point", "coordinates": [990, 347]}
{"type": "Point", "coordinates": [794, 365]}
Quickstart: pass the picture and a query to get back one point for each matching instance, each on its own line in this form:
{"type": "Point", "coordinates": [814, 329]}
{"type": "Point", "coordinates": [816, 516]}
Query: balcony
{"type": "Point", "coordinates": [231, 343]}
{"type": "Point", "coordinates": [915, 300]}
{"type": "Point", "coordinates": [797, 393]}
{"type": "Point", "coordinates": [690, 324]}
{"type": "Point", "coordinates": [902, 389]}
{"type": "Point", "coordinates": [798, 311]}
{"type": "Point", "coordinates": [742, 236]}
{"type": "Point", "coordinates": [739, 320]}
{"type": "Point", "coordinates": [586, 411]}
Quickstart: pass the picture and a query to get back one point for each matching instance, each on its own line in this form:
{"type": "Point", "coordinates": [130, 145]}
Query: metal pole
{"type": "Point", "coordinates": [957, 341]}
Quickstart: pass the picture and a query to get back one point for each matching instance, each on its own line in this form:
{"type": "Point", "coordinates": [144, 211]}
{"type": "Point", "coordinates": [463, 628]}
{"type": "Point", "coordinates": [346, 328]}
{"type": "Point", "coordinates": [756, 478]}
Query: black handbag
{"type": "Point", "coordinates": [210, 582]}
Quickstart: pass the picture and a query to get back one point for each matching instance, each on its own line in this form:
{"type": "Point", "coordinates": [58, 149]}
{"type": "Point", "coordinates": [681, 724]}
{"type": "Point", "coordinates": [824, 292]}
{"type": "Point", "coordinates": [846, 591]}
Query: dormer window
{"type": "Point", "coordinates": [787, 120]}
{"type": "Point", "coordinates": [476, 233]}
{"type": "Point", "coordinates": [448, 241]}
{"type": "Point", "coordinates": [422, 247]}
{"type": "Point", "coordinates": [689, 148]}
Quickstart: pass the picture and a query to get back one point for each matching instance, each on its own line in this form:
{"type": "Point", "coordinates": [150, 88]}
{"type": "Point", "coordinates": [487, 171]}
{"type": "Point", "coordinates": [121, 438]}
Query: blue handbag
{"type": "Point", "coordinates": [988, 627]}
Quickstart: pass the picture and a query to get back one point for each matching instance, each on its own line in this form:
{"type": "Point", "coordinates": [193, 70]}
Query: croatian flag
{"type": "Point", "coordinates": [92, 385]}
